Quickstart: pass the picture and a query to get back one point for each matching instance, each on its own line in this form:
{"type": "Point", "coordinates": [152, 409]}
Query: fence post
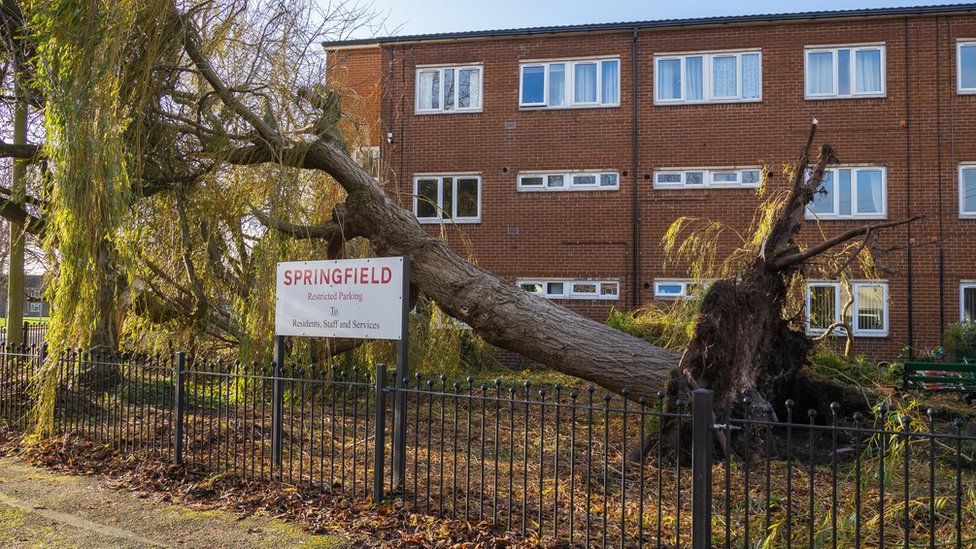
{"type": "Point", "coordinates": [379, 428]}
{"type": "Point", "coordinates": [277, 399]}
{"type": "Point", "coordinates": [25, 337]}
{"type": "Point", "coordinates": [701, 469]}
{"type": "Point", "coordinates": [178, 399]}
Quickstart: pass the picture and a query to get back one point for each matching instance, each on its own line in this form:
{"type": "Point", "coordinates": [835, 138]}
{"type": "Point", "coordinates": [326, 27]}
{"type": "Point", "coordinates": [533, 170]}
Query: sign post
{"type": "Point", "coordinates": [400, 397]}
{"type": "Point", "coordinates": [346, 298]}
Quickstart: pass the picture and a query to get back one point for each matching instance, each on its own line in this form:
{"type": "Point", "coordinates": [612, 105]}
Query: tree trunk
{"type": "Point", "coordinates": [96, 374]}
{"type": "Point", "coordinates": [17, 236]}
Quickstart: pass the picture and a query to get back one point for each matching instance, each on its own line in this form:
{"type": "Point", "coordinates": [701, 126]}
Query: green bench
{"type": "Point", "coordinates": [958, 377]}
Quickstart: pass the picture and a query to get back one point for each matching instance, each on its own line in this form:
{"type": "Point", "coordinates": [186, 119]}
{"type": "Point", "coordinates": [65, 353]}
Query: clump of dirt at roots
{"type": "Point", "coordinates": [363, 524]}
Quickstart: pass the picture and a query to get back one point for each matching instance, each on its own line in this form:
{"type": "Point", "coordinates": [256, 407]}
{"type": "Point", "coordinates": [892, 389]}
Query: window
{"type": "Point", "coordinates": [568, 181]}
{"type": "Point", "coordinates": [448, 89]}
{"type": "Point", "coordinates": [851, 193]}
{"type": "Point", "coordinates": [868, 315]}
{"type": "Point", "coordinates": [856, 71]}
{"type": "Point", "coordinates": [572, 289]}
{"type": "Point", "coordinates": [681, 178]}
{"type": "Point", "coordinates": [967, 301]}
{"type": "Point", "coordinates": [455, 198]}
{"type": "Point", "coordinates": [34, 308]}
{"type": "Point", "coordinates": [569, 84]}
{"type": "Point", "coordinates": [966, 66]}
{"type": "Point", "coordinates": [967, 191]}
{"type": "Point", "coordinates": [718, 77]}
{"type": "Point", "coordinates": [679, 288]}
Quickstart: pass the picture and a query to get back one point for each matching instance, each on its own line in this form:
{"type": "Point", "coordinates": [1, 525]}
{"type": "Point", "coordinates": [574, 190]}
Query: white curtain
{"type": "Point", "coordinates": [969, 190]}
{"type": "Point", "coordinates": [469, 89]}
{"type": "Point", "coordinates": [967, 66]}
{"type": "Point", "coordinates": [724, 77]}
{"type": "Point", "coordinates": [693, 74]}
{"type": "Point", "coordinates": [820, 73]}
{"type": "Point", "coordinates": [868, 66]}
{"type": "Point", "coordinates": [557, 85]}
{"type": "Point", "coordinates": [611, 82]}
{"type": "Point", "coordinates": [428, 90]}
{"type": "Point", "coordinates": [584, 78]}
{"type": "Point", "coordinates": [751, 84]}
{"type": "Point", "coordinates": [869, 191]}
{"type": "Point", "coordinates": [669, 79]}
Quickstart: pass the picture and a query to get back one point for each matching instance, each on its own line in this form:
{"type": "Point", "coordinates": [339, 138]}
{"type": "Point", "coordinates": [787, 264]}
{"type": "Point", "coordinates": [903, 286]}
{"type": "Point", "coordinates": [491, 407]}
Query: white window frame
{"type": "Point", "coordinates": [834, 94]}
{"type": "Point", "coordinates": [568, 181]}
{"type": "Point", "coordinates": [440, 196]}
{"type": "Point", "coordinates": [963, 286]}
{"type": "Point", "coordinates": [960, 44]}
{"type": "Point", "coordinates": [570, 77]}
{"type": "Point", "coordinates": [839, 306]}
{"type": "Point", "coordinates": [883, 214]}
{"type": "Point", "coordinates": [707, 69]}
{"type": "Point", "coordinates": [683, 282]}
{"type": "Point", "coordinates": [707, 177]}
{"type": "Point", "coordinates": [457, 70]}
{"type": "Point", "coordinates": [963, 213]}
{"type": "Point", "coordinates": [568, 288]}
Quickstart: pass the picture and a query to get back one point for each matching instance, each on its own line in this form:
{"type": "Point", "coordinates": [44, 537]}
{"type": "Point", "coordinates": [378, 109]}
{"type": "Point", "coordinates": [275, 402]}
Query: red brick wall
{"type": "Point", "coordinates": [920, 131]}
{"type": "Point", "coordinates": [355, 73]}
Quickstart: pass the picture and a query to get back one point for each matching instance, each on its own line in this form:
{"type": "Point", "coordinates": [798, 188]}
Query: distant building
{"type": "Point", "coordinates": [34, 303]}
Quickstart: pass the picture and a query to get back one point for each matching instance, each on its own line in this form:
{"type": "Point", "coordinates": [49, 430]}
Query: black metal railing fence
{"type": "Point", "coordinates": [572, 464]}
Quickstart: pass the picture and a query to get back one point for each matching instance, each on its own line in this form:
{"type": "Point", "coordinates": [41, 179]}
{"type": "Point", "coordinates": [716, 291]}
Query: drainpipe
{"type": "Point", "coordinates": [908, 192]}
{"type": "Point", "coordinates": [635, 192]}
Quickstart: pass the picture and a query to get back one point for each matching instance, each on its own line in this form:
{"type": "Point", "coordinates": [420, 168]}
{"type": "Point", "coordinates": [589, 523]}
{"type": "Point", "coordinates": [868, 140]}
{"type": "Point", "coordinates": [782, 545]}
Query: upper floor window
{"type": "Point", "coordinates": [719, 77]}
{"type": "Point", "coordinates": [967, 191]}
{"type": "Point", "coordinates": [696, 178]}
{"type": "Point", "coordinates": [450, 198]}
{"type": "Point", "coordinates": [570, 84]}
{"type": "Point", "coordinates": [850, 193]}
{"type": "Point", "coordinates": [448, 89]}
{"type": "Point", "coordinates": [679, 288]}
{"type": "Point", "coordinates": [967, 301]}
{"type": "Point", "coordinates": [855, 71]}
{"type": "Point", "coordinates": [867, 316]}
{"type": "Point", "coordinates": [568, 181]}
{"type": "Point", "coordinates": [572, 289]}
{"type": "Point", "coordinates": [966, 65]}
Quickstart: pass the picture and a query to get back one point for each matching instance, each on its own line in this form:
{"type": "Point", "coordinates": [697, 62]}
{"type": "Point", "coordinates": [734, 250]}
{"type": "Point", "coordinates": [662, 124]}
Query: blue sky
{"type": "Point", "coordinates": [427, 16]}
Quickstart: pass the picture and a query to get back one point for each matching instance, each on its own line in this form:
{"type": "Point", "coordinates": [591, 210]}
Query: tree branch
{"type": "Point", "coordinates": [25, 152]}
{"type": "Point", "coordinates": [799, 257]}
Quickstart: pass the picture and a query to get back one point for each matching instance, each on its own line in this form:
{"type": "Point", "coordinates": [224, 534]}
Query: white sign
{"type": "Point", "coordinates": [354, 298]}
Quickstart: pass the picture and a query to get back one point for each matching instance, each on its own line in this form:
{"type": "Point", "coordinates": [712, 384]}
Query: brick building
{"type": "Point", "coordinates": [558, 157]}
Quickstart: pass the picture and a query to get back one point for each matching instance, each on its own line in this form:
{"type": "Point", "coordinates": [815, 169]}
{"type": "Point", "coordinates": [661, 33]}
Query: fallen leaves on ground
{"type": "Point", "coordinates": [366, 525]}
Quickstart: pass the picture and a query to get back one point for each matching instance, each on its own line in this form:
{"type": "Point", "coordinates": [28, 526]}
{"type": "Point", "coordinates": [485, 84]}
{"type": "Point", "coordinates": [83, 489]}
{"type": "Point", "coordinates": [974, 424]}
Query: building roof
{"type": "Point", "coordinates": [655, 24]}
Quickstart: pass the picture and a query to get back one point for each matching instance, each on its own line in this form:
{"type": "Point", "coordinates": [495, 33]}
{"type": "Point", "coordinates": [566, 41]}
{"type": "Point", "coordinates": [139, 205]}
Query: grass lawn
{"type": "Point", "coordinates": [31, 319]}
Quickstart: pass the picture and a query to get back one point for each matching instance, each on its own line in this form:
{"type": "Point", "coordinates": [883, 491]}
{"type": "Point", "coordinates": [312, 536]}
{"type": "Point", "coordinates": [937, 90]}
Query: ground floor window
{"type": "Point", "coordinates": [867, 315]}
{"type": "Point", "coordinates": [678, 288]}
{"type": "Point", "coordinates": [967, 301]}
{"type": "Point", "coordinates": [572, 289]}
{"type": "Point", "coordinates": [455, 198]}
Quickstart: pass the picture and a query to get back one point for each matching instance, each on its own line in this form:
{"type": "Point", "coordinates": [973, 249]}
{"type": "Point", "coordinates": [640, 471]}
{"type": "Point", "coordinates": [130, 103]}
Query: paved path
{"type": "Point", "coordinates": [43, 509]}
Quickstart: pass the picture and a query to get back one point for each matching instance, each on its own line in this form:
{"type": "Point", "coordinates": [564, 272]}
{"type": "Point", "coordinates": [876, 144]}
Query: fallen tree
{"type": "Point", "coordinates": [192, 125]}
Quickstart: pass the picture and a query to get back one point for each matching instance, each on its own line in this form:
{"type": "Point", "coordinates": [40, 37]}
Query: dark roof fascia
{"type": "Point", "coordinates": [663, 23]}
